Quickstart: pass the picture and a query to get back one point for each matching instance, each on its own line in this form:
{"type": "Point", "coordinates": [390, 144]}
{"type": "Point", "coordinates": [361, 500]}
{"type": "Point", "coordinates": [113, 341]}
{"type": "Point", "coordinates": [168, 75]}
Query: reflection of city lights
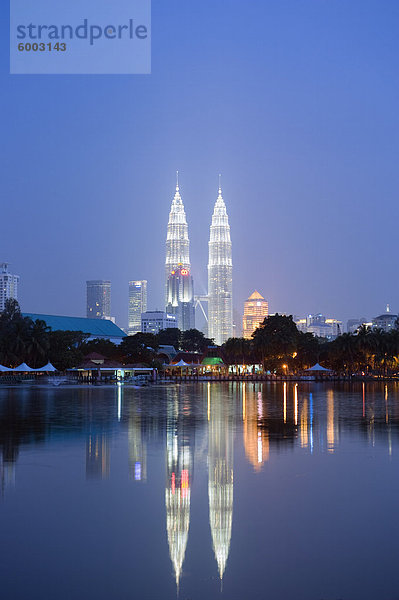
{"type": "Point", "coordinates": [285, 402]}
{"type": "Point", "coordinates": [260, 407]}
{"type": "Point", "coordinates": [311, 421]}
{"type": "Point", "coordinates": [364, 399]}
{"type": "Point", "coordinates": [330, 421]}
{"type": "Point", "coordinates": [386, 404]}
{"type": "Point", "coordinates": [304, 425]}
{"type": "Point", "coordinates": [260, 452]}
{"type": "Point", "coordinates": [184, 482]}
{"type": "Point", "coordinates": [119, 400]}
{"type": "Point", "coordinates": [173, 483]}
{"type": "Point", "coordinates": [137, 471]}
{"type": "Point", "coordinates": [296, 403]}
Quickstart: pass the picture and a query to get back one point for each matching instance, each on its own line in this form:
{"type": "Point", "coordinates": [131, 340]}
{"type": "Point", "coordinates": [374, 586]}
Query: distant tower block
{"type": "Point", "coordinates": [137, 304]}
{"type": "Point", "coordinates": [256, 309]}
{"type": "Point", "coordinates": [98, 299]}
{"type": "Point", "coordinates": [220, 275]}
{"type": "Point", "coordinates": [8, 285]}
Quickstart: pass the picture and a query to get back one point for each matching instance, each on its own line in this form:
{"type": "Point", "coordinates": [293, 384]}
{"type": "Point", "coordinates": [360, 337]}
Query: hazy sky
{"type": "Point", "coordinates": [294, 102]}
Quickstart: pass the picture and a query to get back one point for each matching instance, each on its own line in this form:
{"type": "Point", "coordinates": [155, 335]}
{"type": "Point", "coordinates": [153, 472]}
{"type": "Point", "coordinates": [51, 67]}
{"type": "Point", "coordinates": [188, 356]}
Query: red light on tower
{"type": "Point", "coordinates": [184, 272]}
{"type": "Point", "coordinates": [184, 482]}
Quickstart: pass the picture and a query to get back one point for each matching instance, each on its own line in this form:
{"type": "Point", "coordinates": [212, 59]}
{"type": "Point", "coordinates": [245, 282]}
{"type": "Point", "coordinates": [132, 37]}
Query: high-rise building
{"type": "Point", "coordinates": [8, 285]}
{"type": "Point", "coordinates": [320, 326]}
{"type": "Point", "coordinates": [137, 304]}
{"type": "Point", "coordinates": [256, 308]}
{"type": "Point", "coordinates": [220, 275]}
{"type": "Point", "coordinates": [352, 325]}
{"type": "Point", "coordinates": [98, 299]}
{"type": "Point", "coordinates": [179, 287]}
{"type": "Point", "coordinates": [154, 321]}
{"type": "Point", "coordinates": [180, 301]}
{"type": "Point", "coordinates": [387, 321]}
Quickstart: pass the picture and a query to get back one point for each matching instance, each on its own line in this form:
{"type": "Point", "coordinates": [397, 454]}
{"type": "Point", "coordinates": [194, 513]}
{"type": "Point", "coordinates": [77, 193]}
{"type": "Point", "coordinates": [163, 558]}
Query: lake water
{"type": "Point", "coordinates": [209, 490]}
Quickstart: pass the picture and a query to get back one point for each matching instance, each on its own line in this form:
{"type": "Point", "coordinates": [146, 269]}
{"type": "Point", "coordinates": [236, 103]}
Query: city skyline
{"type": "Point", "coordinates": [304, 132]}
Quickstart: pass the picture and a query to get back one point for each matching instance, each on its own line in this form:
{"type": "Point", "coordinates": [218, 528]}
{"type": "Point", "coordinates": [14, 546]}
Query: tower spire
{"type": "Point", "coordinates": [220, 183]}
{"type": "Point", "coordinates": [177, 181]}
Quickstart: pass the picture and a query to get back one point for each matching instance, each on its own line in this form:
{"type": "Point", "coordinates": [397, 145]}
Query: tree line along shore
{"type": "Point", "coordinates": [276, 347]}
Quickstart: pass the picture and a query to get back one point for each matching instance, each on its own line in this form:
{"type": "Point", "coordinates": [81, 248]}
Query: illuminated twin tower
{"type": "Point", "coordinates": [179, 282]}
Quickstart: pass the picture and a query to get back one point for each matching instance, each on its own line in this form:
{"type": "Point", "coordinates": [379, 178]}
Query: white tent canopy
{"type": "Point", "coordinates": [318, 368]}
{"type": "Point", "coordinates": [46, 369]}
{"type": "Point", "coordinates": [23, 367]}
{"type": "Point", "coordinates": [181, 363]}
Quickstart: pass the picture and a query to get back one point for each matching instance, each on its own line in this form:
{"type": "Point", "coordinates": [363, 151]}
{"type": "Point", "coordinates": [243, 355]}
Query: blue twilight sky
{"type": "Point", "coordinates": [294, 102]}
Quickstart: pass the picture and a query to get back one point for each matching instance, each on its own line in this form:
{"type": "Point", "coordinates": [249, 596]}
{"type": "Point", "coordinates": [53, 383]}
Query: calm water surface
{"type": "Point", "coordinates": [222, 490]}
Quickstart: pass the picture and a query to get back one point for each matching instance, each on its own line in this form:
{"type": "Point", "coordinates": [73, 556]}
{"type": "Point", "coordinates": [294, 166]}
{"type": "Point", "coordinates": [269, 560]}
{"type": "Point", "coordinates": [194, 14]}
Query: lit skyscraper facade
{"type": "Point", "coordinates": [137, 304]}
{"type": "Point", "coordinates": [220, 275]}
{"type": "Point", "coordinates": [256, 308]}
{"type": "Point", "coordinates": [98, 299]}
{"type": "Point", "coordinates": [8, 285]}
{"type": "Point", "coordinates": [179, 298]}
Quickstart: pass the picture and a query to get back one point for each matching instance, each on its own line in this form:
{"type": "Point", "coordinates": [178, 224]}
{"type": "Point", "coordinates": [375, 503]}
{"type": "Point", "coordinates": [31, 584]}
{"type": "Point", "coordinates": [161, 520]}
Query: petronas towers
{"type": "Point", "coordinates": [179, 282]}
{"type": "Point", "coordinates": [220, 275]}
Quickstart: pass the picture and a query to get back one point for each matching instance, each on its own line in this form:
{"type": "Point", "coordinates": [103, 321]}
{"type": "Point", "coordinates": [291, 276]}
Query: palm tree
{"type": "Point", "coordinates": [38, 344]}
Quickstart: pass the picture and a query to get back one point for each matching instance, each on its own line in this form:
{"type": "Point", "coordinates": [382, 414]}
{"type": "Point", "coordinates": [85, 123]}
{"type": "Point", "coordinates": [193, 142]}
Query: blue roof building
{"type": "Point", "coordinates": [96, 328]}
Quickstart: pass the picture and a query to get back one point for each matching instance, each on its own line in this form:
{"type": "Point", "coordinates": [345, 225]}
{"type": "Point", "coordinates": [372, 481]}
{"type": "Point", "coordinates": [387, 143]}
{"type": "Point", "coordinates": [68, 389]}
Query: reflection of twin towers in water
{"type": "Point", "coordinates": [179, 477]}
{"type": "Point", "coordinates": [280, 416]}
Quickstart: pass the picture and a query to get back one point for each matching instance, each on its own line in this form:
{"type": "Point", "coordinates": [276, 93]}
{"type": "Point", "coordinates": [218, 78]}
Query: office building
{"type": "Point", "coordinates": [256, 309]}
{"type": "Point", "coordinates": [386, 321]}
{"type": "Point", "coordinates": [8, 285]}
{"type": "Point", "coordinates": [137, 305]}
{"type": "Point", "coordinates": [353, 325]}
{"type": "Point", "coordinates": [153, 321]}
{"type": "Point", "coordinates": [320, 326]}
{"type": "Point", "coordinates": [98, 299]}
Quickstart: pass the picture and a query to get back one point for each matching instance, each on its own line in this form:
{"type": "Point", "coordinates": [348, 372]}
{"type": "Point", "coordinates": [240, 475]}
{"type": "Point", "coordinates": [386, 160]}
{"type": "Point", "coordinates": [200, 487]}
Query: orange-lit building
{"type": "Point", "coordinates": [256, 308]}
